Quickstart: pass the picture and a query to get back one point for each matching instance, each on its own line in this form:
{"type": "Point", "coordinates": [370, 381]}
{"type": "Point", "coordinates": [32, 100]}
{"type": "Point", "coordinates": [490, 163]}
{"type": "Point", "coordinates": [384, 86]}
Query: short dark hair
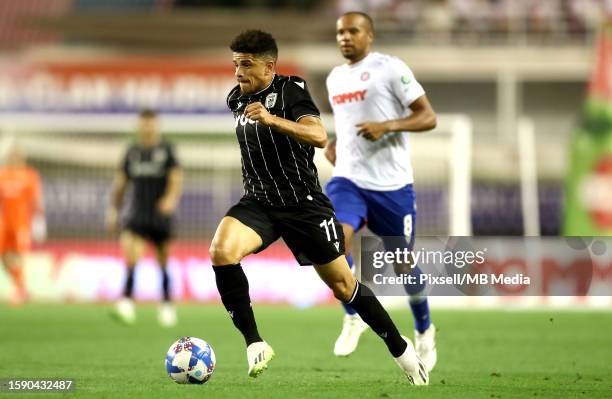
{"type": "Point", "coordinates": [147, 113]}
{"type": "Point", "coordinates": [361, 14]}
{"type": "Point", "coordinates": [256, 42]}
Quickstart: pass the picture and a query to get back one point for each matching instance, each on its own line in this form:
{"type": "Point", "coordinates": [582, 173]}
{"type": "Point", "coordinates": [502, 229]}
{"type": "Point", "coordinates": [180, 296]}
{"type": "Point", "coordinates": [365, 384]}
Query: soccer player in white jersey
{"type": "Point", "coordinates": [376, 100]}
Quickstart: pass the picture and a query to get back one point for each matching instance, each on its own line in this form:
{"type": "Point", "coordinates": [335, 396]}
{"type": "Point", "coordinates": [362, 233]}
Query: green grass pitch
{"type": "Point", "coordinates": [482, 354]}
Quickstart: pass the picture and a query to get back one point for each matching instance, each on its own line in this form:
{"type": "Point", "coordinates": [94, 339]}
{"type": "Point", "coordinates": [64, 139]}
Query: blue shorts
{"type": "Point", "coordinates": [386, 213]}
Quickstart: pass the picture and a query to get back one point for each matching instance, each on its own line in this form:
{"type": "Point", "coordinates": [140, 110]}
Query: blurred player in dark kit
{"type": "Point", "coordinates": [151, 167]}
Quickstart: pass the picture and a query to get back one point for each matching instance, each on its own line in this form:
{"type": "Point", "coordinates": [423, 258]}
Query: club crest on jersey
{"type": "Point", "coordinates": [159, 155]}
{"type": "Point", "coordinates": [271, 100]}
{"type": "Point", "coordinates": [365, 76]}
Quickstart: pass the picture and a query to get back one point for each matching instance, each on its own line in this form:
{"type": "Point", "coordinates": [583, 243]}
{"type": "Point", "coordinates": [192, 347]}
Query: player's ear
{"type": "Point", "coordinates": [270, 66]}
{"type": "Point", "coordinates": [370, 36]}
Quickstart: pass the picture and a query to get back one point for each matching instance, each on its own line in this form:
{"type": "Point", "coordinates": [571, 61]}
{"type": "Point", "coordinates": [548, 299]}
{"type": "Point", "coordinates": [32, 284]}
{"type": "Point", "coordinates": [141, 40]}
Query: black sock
{"type": "Point", "coordinates": [372, 312]}
{"type": "Point", "coordinates": [233, 286]}
{"type": "Point", "coordinates": [165, 284]}
{"type": "Point", "coordinates": [129, 282]}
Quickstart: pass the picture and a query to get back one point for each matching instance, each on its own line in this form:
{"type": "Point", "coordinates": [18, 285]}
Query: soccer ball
{"type": "Point", "coordinates": [190, 361]}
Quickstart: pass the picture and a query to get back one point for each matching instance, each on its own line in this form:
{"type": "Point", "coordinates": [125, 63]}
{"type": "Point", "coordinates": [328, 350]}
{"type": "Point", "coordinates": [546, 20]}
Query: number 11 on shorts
{"type": "Point", "coordinates": [329, 223]}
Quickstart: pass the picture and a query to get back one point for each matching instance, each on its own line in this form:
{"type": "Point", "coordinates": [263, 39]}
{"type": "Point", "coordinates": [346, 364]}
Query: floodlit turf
{"type": "Point", "coordinates": [482, 354]}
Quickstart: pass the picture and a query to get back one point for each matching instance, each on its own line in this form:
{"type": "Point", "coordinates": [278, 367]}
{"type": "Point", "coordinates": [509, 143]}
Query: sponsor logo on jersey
{"type": "Point", "coordinates": [242, 120]}
{"type": "Point", "coordinates": [139, 166]}
{"type": "Point", "coordinates": [144, 169]}
{"type": "Point", "coordinates": [271, 100]}
{"type": "Point", "coordinates": [353, 96]}
{"type": "Point", "coordinates": [405, 79]}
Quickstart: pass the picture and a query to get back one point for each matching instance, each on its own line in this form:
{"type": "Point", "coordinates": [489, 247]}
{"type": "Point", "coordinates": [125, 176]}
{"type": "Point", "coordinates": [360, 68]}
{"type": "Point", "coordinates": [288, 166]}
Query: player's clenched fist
{"type": "Point", "coordinates": [257, 112]}
{"type": "Point", "coordinates": [166, 205]}
{"type": "Point", "coordinates": [371, 130]}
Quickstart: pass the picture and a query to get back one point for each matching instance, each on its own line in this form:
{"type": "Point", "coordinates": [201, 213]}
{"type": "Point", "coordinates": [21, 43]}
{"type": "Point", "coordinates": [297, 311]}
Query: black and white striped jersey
{"type": "Point", "coordinates": [276, 169]}
{"type": "Point", "coordinates": [147, 169]}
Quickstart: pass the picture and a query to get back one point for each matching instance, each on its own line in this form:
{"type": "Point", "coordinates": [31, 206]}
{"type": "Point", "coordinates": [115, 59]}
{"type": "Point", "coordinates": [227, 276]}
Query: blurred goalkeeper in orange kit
{"type": "Point", "coordinates": [22, 217]}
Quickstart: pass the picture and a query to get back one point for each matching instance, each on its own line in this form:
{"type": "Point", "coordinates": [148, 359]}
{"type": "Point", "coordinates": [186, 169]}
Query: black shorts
{"type": "Point", "coordinates": [310, 230]}
{"type": "Point", "coordinates": [157, 230]}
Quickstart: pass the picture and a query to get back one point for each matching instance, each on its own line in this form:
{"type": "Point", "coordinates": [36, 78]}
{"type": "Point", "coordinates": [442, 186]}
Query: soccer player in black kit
{"type": "Point", "coordinates": [151, 167]}
{"type": "Point", "coordinates": [277, 126]}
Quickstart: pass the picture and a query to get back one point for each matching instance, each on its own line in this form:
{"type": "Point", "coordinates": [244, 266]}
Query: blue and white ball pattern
{"type": "Point", "coordinates": [190, 361]}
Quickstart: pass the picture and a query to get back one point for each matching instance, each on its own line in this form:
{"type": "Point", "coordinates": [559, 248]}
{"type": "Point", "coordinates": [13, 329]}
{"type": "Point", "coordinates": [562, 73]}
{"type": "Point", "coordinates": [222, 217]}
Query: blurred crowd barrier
{"type": "Point", "coordinates": [482, 22]}
{"type": "Point", "coordinates": [486, 20]}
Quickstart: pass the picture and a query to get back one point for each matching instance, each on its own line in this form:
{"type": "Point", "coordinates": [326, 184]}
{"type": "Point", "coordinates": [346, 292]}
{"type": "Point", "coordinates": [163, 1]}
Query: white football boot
{"type": "Point", "coordinates": [166, 316]}
{"type": "Point", "coordinates": [259, 355]}
{"type": "Point", "coordinates": [426, 347]}
{"type": "Point", "coordinates": [412, 365]}
{"type": "Point", "coordinates": [124, 311]}
{"type": "Point", "coordinates": [352, 328]}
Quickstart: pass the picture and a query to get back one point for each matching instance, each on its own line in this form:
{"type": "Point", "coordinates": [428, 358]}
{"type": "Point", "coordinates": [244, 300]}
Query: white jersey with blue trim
{"type": "Point", "coordinates": [378, 88]}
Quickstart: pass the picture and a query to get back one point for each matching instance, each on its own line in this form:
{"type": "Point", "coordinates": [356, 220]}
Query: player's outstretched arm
{"type": "Point", "coordinates": [330, 151]}
{"type": "Point", "coordinates": [308, 129]}
{"type": "Point", "coordinates": [422, 119]}
{"type": "Point", "coordinates": [169, 201]}
{"type": "Point", "coordinates": [117, 193]}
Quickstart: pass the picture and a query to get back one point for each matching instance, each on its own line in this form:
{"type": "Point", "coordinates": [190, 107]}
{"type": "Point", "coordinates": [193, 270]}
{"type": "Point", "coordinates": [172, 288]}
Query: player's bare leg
{"type": "Point", "coordinates": [338, 277]}
{"type": "Point", "coordinates": [133, 248]}
{"type": "Point", "coordinates": [13, 263]}
{"type": "Point", "coordinates": [233, 241]}
{"type": "Point", "coordinates": [167, 313]}
{"type": "Point", "coordinates": [352, 325]}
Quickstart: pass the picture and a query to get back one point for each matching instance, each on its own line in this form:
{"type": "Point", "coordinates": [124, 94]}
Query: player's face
{"type": "Point", "coordinates": [354, 37]}
{"type": "Point", "coordinates": [148, 130]}
{"type": "Point", "coordinates": [252, 73]}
